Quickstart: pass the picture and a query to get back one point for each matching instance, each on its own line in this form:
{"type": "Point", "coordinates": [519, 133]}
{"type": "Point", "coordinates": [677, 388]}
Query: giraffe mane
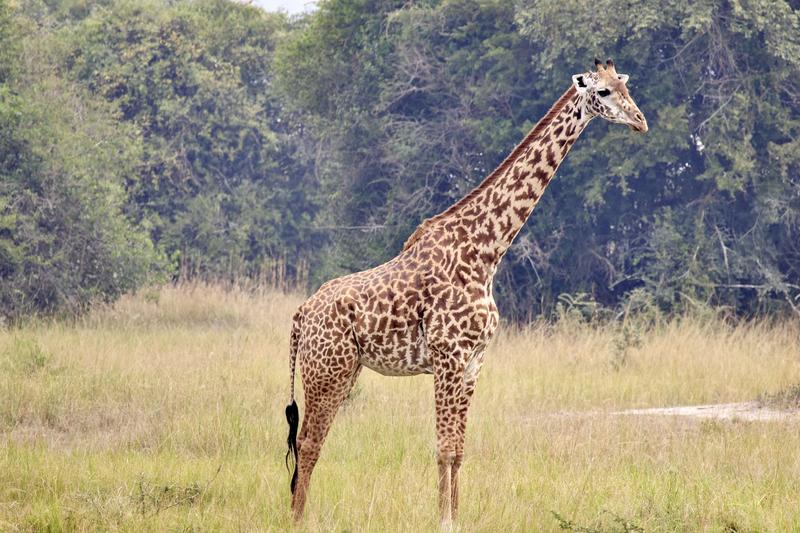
{"type": "Point", "coordinates": [500, 170]}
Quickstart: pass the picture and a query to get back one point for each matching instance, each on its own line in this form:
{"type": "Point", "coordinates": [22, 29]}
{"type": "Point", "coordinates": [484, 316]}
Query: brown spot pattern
{"type": "Point", "coordinates": [430, 310]}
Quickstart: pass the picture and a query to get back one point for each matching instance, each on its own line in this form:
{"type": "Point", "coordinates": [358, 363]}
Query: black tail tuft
{"type": "Point", "coordinates": [293, 417]}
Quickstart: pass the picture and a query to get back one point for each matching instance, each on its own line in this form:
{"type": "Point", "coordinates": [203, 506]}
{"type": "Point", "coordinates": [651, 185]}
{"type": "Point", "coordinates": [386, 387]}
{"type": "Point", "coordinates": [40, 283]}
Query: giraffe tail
{"type": "Point", "coordinates": [292, 411]}
{"type": "Point", "coordinates": [293, 417]}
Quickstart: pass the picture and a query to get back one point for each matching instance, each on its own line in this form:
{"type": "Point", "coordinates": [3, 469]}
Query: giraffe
{"type": "Point", "coordinates": [430, 309]}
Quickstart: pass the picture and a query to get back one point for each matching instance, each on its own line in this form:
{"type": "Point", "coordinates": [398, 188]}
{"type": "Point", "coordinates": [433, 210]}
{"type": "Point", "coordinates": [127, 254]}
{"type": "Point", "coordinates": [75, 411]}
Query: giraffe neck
{"type": "Point", "coordinates": [496, 210]}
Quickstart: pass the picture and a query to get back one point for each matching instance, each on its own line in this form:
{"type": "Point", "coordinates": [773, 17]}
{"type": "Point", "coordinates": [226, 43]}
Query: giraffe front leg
{"type": "Point", "coordinates": [471, 372]}
{"type": "Point", "coordinates": [448, 382]}
{"type": "Point", "coordinates": [445, 462]}
{"type": "Point", "coordinates": [458, 457]}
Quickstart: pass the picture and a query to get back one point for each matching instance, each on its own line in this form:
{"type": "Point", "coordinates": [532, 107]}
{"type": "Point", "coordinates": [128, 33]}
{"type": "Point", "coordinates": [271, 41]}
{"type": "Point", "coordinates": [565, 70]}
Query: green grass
{"type": "Point", "coordinates": [165, 413]}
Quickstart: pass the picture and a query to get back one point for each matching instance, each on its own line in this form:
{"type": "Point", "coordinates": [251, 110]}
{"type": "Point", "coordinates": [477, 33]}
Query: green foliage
{"type": "Point", "coordinates": [788, 398]}
{"type": "Point", "coordinates": [577, 307]}
{"type": "Point", "coordinates": [413, 105]}
{"type": "Point", "coordinates": [687, 212]}
{"type": "Point", "coordinates": [8, 44]}
{"type": "Point", "coordinates": [216, 181]}
{"type": "Point", "coordinates": [24, 355]}
{"type": "Point", "coordinates": [237, 140]}
{"type": "Point", "coordinates": [618, 525]}
{"type": "Point", "coordinates": [64, 240]}
{"type": "Point", "coordinates": [419, 112]}
{"type": "Point", "coordinates": [152, 498]}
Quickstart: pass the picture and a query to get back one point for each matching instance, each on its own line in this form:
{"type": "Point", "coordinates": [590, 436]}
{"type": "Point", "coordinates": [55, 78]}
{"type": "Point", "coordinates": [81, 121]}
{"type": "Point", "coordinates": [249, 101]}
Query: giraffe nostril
{"type": "Point", "coordinates": [638, 116]}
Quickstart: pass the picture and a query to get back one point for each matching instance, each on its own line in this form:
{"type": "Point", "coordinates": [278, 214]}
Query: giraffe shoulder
{"type": "Point", "coordinates": [422, 230]}
{"type": "Point", "coordinates": [417, 235]}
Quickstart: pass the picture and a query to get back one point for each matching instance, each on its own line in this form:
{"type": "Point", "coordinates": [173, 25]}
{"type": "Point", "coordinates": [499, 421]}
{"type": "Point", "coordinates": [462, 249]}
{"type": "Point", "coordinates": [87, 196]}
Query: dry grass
{"type": "Point", "coordinates": [166, 413]}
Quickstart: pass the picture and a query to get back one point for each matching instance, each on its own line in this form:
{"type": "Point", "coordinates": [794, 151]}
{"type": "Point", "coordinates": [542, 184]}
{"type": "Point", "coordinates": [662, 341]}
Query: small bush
{"type": "Point", "coordinates": [24, 355]}
{"type": "Point", "coordinates": [152, 498]}
{"type": "Point", "coordinates": [617, 524]}
{"type": "Point", "coordinates": [788, 398]}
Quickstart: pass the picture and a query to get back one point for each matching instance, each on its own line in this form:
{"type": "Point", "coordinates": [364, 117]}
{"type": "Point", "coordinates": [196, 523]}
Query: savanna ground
{"type": "Point", "coordinates": [165, 413]}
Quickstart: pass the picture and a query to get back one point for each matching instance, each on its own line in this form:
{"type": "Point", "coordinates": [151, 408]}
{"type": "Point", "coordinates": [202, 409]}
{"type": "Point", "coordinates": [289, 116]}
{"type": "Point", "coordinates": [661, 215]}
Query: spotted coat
{"type": "Point", "coordinates": [430, 310]}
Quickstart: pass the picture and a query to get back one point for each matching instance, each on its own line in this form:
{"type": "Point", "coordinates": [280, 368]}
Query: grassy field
{"type": "Point", "coordinates": [165, 413]}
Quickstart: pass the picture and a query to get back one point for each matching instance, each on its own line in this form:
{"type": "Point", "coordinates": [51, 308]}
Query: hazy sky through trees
{"type": "Point", "coordinates": [291, 6]}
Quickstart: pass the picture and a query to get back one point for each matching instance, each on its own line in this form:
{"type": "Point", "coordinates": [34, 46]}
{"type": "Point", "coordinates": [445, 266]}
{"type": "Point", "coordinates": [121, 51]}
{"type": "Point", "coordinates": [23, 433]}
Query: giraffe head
{"type": "Point", "coordinates": [606, 95]}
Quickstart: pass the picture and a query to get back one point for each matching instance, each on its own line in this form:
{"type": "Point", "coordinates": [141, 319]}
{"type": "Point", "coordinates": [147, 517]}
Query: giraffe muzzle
{"type": "Point", "coordinates": [639, 124]}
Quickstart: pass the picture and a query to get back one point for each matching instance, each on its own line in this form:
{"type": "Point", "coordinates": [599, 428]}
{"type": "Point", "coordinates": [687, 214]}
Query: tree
{"type": "Point", "coordinates": [236, 138]}
{"type": "Point", "coordinates": [64, 240]}
{"type": "Point", "coordinates": [703, 210]}
{"type": "Point", "coordinates": [412, 104]}
{"type": "Point", "coordinates": [218, 181]}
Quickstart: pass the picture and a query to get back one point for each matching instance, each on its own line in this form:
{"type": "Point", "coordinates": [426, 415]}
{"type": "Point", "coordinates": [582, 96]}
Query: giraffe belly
{"type": "Point", "coordinates": [399, 354]}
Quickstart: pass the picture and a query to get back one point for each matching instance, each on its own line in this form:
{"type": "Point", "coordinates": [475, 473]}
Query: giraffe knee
{"type": "Point", "coordinates": [445, 457]}
{"type": "Point", "coordinates": [458, 458]}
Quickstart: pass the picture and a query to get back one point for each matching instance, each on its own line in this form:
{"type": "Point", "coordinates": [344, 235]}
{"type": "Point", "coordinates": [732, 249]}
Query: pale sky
{"type": "Point", "coordinates": [290, 6]}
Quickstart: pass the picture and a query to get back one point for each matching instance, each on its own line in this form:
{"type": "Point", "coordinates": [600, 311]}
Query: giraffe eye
{"type": "Point", "coordinates": [603, 92]}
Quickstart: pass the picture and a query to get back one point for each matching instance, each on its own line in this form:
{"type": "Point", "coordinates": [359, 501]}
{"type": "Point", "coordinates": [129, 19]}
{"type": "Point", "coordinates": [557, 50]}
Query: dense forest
{"type": "Point", "coordinates": [143, 141]}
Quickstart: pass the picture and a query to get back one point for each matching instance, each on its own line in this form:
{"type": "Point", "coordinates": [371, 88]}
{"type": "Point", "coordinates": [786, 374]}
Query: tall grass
{"type": "Point", "coordinates": [165, 412]}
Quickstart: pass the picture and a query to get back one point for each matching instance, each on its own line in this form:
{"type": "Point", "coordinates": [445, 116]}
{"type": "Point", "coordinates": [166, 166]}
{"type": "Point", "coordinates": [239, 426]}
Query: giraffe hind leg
{"type": "Point", "coordinates": [326, 382]}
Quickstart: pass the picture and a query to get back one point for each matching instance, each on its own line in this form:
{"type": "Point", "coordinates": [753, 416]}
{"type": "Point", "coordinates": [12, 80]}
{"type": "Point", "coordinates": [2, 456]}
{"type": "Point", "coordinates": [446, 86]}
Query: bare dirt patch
{"type": "Point", "coordinates": [749, 411]}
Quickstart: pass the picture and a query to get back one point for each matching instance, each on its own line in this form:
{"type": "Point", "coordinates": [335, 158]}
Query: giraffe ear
{"type": "Point", "coordinates": [582, 82]}
{"type": "Point", "coordinates": [623, 78]}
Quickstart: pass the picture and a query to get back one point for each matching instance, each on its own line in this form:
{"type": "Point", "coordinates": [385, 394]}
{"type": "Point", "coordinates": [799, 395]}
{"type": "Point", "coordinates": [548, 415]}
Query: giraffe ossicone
{"type": "Point", "coordinates": [430, 309]}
